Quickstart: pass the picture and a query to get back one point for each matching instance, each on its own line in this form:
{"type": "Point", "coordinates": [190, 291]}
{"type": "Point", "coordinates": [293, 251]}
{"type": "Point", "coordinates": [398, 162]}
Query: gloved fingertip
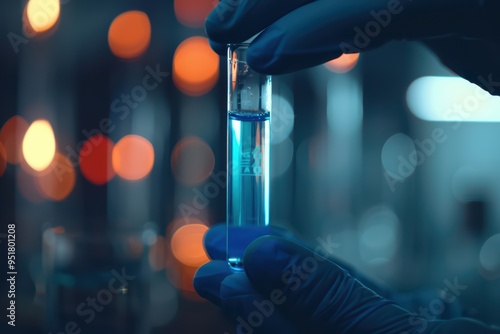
{"type": "Point", "coordinates": [266, 258]}
{"type": "Point", "coordinates": [220, 23]}
{"type": "Point", "coordinates": [229, 21]}
{"type": "Point", "coordinates": [275, 51]}
{"type": "Point", "coordinates": [262, 54]}
{"type": "Point", "coordinates": [219, 48]}
{"type": "Point", "coordinates": [215, 242]}
{"type": "Point", "coordinates": [216, 20]}
{"type": "Point", "coordinates": [236, 285]}
{"type": "Point", "coordinates": [216, 230]}
{"type": "Point", "coordinates": [208, 278]}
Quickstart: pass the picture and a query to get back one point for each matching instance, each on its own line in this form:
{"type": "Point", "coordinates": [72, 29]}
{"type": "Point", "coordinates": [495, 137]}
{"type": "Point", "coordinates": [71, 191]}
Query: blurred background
{"type": "Point", "coordinates": [113, 158]}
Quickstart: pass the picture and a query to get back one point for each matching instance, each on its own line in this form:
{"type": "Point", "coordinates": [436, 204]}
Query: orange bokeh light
{"type": "Point", "coordinates": [195, 66]}
{"type": "Point", "coordinates": [95, 159]}
{"type": "Point", "coordinates": [58, 180]}
{"type": "Point", "coordinates": [192, 13]}
{"type": "Point", "coordinates": [133, 157]}
{"type": "Point", "coordinates": [27, 184]}
{"type": "Point", "coordinates": [58, 229]}
{"type": "Point", "coordinates": [129, 34]}
{"type": "Point", "coordinates": [11, 135]}
{"type": "Point", "coordinates": [344, 63]}
{"type": "Point", "coordinates": [3, 159]}
{"type": "Point", "coordinates": [133, 247]}
{"type": "Point", "coordinates": [179, 273]}
{"type": "Point", "coordinates": [187, 245]}
{"type": "Point", "coordinates": [192, 161]}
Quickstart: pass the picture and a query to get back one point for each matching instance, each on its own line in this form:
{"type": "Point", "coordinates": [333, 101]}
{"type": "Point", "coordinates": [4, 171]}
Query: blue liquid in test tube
{"type": "Point", "coordinates": [248, 151]}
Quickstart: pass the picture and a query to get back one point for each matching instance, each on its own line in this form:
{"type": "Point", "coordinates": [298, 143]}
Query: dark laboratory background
{"type": "Point", "coordinates": [112, 167]}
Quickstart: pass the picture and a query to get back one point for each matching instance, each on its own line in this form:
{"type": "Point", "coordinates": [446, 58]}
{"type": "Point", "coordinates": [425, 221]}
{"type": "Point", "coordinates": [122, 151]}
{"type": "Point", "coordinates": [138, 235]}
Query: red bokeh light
{"type": "Point", "coordinates": [95, 159]}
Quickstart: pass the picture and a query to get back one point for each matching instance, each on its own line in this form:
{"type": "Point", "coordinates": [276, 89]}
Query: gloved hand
{"type": "Point", "coordinates": [288, 288]}
{"type": "Point", "coordinates": [465, 34]}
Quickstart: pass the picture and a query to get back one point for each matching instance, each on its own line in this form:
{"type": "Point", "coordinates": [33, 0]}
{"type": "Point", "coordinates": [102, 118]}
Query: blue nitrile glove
{"type": "Point", "coordinates": [288, 288]}
{"type": "Point", "coordinates": [465, 34]}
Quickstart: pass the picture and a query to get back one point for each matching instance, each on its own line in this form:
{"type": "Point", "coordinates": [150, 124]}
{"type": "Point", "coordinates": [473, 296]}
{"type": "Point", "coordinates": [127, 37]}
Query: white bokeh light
{"type": "Point", "coordinates": [396, 154]}
{"type": "Point", "coordinates": [378, 235]}
{"type": "Point", "coordinates": [489, 256]}
{"type": "Point", "coordinates": [282, 116]}
{"type": "Point", "coordinates": [451, 99]}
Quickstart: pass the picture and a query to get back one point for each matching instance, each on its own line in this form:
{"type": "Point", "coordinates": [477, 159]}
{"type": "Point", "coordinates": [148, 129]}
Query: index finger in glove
{"type": "Point", "coordinates": [215, 238]}
{"type": "Point", "coordinates": [323, 30]}
{"type": "Point", "coordinates": [216, 282]}
{"type": "Point", "coordinates": [301, 34]}
{"type": "Point", "coordinates": [234, 21]}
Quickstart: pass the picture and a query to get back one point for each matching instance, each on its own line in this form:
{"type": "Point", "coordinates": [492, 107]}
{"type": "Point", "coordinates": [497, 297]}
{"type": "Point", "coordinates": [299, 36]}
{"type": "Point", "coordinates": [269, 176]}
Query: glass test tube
{"type": "Point", "coordinates": [248, 146]}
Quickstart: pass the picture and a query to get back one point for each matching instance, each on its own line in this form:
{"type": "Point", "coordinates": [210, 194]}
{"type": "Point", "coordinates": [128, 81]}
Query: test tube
{"type": "Point", "coordinates": [248, 152]}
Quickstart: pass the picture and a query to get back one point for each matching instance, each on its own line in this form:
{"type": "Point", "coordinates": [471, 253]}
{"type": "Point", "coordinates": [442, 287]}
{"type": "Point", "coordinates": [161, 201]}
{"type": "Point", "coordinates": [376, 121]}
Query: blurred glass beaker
{"type": "Point", "coordinates": [97, 281]}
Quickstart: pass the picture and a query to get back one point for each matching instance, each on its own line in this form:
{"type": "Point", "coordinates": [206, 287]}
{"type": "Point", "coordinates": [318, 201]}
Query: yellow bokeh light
{"type": "Point", "coordinates": [39, 145]}
{"type": "Point", "coordinates": [344, 63]}
{"type": "Point", "coordinates": [43, 14]}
